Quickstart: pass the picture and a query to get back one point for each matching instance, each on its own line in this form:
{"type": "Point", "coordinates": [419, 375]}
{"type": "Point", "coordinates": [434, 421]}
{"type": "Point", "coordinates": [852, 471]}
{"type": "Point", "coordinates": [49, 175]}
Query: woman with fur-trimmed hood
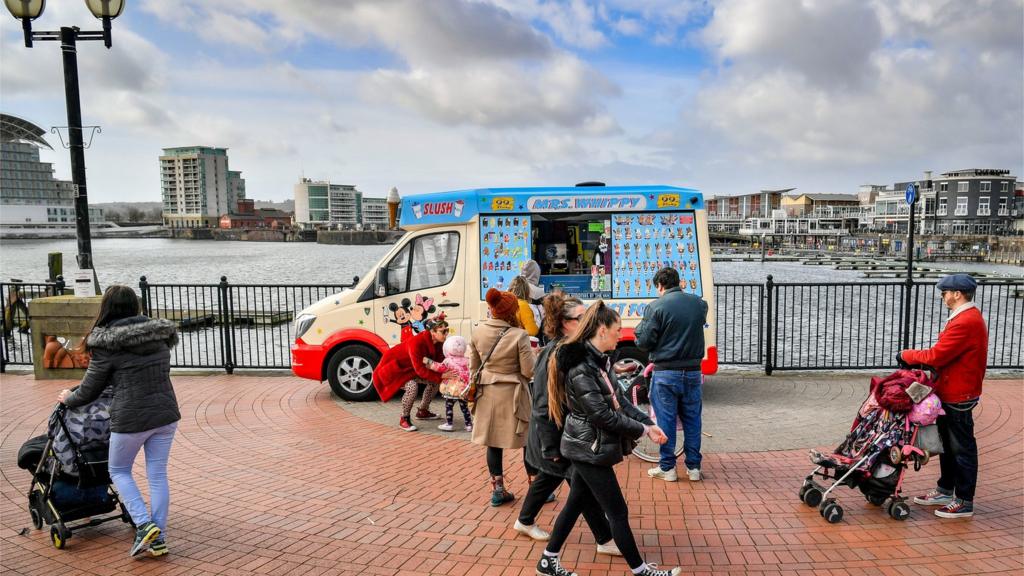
{"type": "Point", "coordinates": [131, 355]}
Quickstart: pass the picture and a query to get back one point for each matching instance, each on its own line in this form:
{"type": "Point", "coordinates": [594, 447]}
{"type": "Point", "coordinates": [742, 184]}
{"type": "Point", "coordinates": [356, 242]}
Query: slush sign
{"type": "Point", "coordinates": [586, 203]}
{"type": "Point", "coordinates": [438, 208]}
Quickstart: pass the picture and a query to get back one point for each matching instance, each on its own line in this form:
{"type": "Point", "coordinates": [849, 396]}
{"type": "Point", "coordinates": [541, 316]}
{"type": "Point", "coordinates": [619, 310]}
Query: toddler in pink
{"type": "Point", "coordinates": [456, 362]}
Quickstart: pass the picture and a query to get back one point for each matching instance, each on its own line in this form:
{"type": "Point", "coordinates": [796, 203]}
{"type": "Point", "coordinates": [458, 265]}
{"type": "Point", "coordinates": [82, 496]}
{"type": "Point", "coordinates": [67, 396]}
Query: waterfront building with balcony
{"type": "Point", "coordinates": [194, 184]}
{"type": "Point", "coordinates": [804, 205]}
{"type": "Point", "coordinates": [727, 213]}
{"type": "Point", "coordinates": [977, 201]}
{"type": "Point", "coordinates": [31, 198]}
{"type": "Point", "coordinates": [320, 204]}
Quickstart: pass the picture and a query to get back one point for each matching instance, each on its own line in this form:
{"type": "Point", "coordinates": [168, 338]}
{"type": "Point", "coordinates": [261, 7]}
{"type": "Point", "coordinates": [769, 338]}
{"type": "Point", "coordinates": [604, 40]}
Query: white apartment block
{"type": "Point", "coordinates": [194, 186]}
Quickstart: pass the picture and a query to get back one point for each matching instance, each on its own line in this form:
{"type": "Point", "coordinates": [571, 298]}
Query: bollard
{"type": "Point", "coordinates": [54, 265]}
{"type": "Point", "coordinates": [768, 322]}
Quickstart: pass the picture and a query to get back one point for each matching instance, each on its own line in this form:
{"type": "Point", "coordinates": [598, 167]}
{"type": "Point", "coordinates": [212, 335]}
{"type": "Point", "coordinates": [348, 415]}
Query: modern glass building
{"type": "Point", "coordinates": [30, 196]}
{"type": "Point", "coordinates": [320, 204]}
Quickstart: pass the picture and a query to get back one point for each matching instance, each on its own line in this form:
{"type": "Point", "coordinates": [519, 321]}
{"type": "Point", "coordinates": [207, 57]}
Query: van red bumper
{"type": "Point", "coordinates": [308, 360]}
{"type": "Point", "coordinates": [709, 365]}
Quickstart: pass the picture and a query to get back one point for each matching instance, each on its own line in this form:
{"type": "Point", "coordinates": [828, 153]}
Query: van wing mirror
{"type": "Point", "coordinates": [381, 288]}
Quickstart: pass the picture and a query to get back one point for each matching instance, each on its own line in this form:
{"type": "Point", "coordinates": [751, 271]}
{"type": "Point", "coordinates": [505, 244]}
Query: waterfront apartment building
{"type": "Point", "coordinates": [320, 204]}
{"type": "Point", "coordinates": [197, 187]}
{"type": "Point", "coordinates": [976, 201]}
{"type": "Point", "coordinates": [30, 196]}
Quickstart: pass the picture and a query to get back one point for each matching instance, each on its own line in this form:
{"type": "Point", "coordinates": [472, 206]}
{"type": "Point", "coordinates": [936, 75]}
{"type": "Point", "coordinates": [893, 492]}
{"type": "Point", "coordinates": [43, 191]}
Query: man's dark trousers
{"type": "Point", "coordinates": [958, 463]}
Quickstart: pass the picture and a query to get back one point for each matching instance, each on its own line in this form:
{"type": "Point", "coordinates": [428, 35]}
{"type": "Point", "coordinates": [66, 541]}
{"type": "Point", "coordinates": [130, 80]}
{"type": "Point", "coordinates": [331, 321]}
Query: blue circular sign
{"type": "Point", "coordinates": [911, 195]}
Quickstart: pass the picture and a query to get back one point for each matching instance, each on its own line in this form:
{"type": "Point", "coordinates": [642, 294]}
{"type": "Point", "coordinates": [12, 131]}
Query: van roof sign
{"type": "Point", "coordinates": [462, 205]}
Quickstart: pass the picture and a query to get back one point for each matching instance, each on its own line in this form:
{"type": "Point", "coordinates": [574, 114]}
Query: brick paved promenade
{"type": "Point", "coordinates": [270, 475]}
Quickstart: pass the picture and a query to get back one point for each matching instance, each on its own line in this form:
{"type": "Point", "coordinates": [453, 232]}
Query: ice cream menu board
{"type": "Point", "coordinates": [504, 248]}
{"type": "Point", "coordinates": [642, 244]}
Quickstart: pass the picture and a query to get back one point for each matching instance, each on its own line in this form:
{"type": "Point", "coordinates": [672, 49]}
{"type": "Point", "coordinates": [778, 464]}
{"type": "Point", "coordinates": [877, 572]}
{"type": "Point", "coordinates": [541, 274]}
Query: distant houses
{"type": "Point", "coordinates": [975, 201]}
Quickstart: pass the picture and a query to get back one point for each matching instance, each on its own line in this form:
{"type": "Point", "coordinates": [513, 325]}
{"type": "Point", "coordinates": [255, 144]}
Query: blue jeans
{"type": "Point", "coordinates": [677, 394]}
{"type": "Point", "coordinates": [123, 450]}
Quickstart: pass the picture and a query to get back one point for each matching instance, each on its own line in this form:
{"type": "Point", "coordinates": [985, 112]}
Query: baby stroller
{"type": "Point", "coordinates": [70, 481]}
{"type": "Point", "coordinates": [884, 440]}
{"type": "Point", "coordinates": [634, 379]}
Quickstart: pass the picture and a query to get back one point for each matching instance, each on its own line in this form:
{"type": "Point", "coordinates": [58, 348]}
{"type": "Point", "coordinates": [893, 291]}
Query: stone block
{"type": "Point", "coordinates": [58, 324]}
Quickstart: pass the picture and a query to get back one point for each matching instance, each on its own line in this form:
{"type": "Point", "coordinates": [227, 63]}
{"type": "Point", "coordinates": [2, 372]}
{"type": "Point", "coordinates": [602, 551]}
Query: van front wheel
{"type": "Point", "coordinates": [350, 372]}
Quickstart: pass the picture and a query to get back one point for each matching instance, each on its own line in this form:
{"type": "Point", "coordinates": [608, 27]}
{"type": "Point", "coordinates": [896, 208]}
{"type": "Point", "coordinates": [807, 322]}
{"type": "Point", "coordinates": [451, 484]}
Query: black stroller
{"type": "Point", "coordinates": [70, 480]}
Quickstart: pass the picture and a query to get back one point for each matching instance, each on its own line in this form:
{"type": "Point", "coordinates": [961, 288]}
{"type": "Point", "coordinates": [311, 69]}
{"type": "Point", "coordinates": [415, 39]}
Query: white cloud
{"type": "Point", "coordinates": [564, 92]}
{"type": "Point", "coordinates": [843, 85]}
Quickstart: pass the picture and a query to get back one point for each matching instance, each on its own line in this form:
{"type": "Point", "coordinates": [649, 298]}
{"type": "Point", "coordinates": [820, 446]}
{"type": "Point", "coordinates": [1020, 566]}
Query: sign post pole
{"type": "Point", "coordinates": [911, 198]}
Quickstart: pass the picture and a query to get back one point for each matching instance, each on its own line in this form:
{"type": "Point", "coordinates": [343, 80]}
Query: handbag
{"type": "Point", "coordinates": [473, 392]}
{"type": "Point", "coordinates": [928, 439]}
{"type": "Point", "coordinates": [627, 443]}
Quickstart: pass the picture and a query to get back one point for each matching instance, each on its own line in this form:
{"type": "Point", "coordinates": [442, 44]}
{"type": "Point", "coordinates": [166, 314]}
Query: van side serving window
{"type": "Point", "coordinates": [425, 262]}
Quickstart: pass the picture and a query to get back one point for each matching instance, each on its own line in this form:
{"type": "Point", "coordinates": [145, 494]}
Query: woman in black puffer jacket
{"type": "Point", "coordinates": [598, 429]}
{"type": "Point", "coordinates": [132, 354]}
{"type": "Point", "coordinates": [562, 315]}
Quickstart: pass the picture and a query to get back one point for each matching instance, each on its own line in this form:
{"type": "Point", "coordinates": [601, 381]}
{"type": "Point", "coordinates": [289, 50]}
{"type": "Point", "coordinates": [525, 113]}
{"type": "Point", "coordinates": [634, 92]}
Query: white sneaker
{"type": "Point", "coordinates": [694, 474]}
{"type": "Point", "coordinates": [533, 531]}
{"type": "Point", "coordinates": [609, 548]}
{"type": "Point", "coordinates": [666, 475]}
{"type": "Point", "coordinates": [445, 427]}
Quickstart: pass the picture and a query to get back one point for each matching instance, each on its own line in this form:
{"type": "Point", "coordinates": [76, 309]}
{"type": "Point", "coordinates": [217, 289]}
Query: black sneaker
{"type": "Point", "coordinates": [147, 533]}
{"type": "Point", "coordinates": [652, 570]}
{"type": "Point", "coordinates": [158, 547]}
{"type": "Point", "coordinates": [549, 566]}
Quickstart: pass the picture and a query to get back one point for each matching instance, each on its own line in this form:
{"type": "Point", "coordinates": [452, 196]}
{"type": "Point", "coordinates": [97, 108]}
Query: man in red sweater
{"type": "Point", "coordinates": [959, 356]}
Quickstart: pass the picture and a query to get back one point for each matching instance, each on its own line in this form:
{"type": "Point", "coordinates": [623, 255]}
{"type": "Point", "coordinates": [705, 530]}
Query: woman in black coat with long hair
{"type": "Point", "coordinates": [562, 316]}
{"type": "Point", "coordinates": [131, 353]}
{"type": "Point", "coordinates": [598, 426]}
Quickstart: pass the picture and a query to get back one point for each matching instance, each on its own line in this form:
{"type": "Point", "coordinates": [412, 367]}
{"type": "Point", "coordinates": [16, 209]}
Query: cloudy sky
{"type": "Point", "coordinates": [728, 96]}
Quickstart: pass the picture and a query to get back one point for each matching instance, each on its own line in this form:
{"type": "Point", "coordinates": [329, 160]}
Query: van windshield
{"type": "Point", "coordinates": [591, 255]}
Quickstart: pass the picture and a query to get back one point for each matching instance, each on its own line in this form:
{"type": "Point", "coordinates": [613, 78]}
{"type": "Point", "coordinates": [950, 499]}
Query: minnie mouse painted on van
{"type": "Point", "coordinates": [591, 241]}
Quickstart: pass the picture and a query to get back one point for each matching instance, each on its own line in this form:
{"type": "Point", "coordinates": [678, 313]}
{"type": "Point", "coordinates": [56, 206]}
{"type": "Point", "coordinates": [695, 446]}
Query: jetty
{"type": "Point", "coordinates": [195, 318]}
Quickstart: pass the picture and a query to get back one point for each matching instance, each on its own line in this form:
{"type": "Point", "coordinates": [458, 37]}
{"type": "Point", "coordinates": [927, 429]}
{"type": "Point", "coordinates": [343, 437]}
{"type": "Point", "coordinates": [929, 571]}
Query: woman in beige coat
{"type": "Point", "coordinates": [502, 411]}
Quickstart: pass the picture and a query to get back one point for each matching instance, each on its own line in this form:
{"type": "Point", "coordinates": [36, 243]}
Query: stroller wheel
{"type": "Point", "coordinates": [899, 511]}
{"type": "Point", "coordinates": [812, 496]}
{"type": "Point", "coordinates": [832, 512]}
{"type": "Point", "coordinates": [895, 455]}
{"type": "Point", "coordinates": [59, 536]}
{"type": "Point", "coordinates": [37, 517]}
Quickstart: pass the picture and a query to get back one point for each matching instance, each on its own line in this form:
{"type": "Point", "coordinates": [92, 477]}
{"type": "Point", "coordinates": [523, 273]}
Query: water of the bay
{"type": "Point", "coordinates": [205, 261]}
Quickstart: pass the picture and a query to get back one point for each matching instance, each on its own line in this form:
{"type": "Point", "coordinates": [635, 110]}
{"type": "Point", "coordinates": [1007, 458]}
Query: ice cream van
{"type": "Point", "coordinates": [590, 240]}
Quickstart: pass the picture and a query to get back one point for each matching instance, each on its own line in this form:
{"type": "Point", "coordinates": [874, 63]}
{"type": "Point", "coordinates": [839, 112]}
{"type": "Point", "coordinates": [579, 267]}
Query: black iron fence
{"type": "Point", "coordinates": [15, 295]}
{"type": "Point", "coordinates": [861, 324]}
{"type": "Point", "coordinates": [780, 326]}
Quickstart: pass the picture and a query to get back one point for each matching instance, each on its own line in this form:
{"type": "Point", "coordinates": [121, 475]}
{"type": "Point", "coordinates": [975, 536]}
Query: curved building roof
{"type": "Point", "coordinates": [14, 129]}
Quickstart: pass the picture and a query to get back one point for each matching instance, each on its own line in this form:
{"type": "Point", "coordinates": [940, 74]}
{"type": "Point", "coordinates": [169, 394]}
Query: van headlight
{"type": "Point", "coordinates": [302, 324]}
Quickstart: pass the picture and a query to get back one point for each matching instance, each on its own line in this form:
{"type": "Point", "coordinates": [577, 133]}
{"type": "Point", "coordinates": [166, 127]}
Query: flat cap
{"type": "Point", "coordinates": [958, 282]}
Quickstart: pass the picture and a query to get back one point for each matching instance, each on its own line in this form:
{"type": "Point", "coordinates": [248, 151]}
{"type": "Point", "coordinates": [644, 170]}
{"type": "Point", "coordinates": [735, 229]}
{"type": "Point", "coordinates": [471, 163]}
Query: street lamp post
{"type": "Point", "coordinates": [106, 10]}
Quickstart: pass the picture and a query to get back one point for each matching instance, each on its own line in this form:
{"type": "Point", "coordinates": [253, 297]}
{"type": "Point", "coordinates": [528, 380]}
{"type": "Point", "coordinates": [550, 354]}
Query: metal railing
{"type": "Point", "coordinates": [781, 326]}
{"type": "Point", "coordinates": [233, 325]}
{"type": "Point", "coordinates": [859, 325]}
{"type": "Point", "coordinates": [15, 339]}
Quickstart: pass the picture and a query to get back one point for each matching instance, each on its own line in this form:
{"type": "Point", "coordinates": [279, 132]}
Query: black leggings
{"type": "Point", "coordinates": [494, 464]}
{"type": "Point", "coordinates": [596, 486]}
{"type": "Point", "coordinates": [545, 484]}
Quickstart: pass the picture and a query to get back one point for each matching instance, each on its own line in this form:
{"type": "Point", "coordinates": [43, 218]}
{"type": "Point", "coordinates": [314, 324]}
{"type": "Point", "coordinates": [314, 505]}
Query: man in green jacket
{"type": "Point", "coordinates": [672, 332]}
